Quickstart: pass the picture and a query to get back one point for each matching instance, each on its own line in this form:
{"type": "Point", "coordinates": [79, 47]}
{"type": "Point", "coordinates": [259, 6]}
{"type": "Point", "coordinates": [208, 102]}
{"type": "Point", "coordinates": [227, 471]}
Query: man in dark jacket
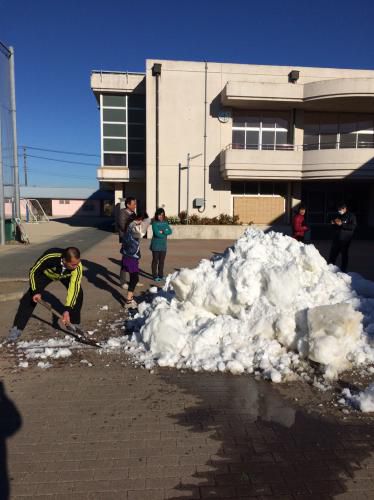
{"type": "Point", "coordinates": [54, 265]}
{"type": "Point", "coordinates": [344, 224]}
{"type": "Point", "coordinates": [124, 216]}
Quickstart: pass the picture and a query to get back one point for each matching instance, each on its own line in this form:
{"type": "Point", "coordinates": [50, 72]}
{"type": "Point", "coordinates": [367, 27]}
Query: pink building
{"type": "Point", "coordinates": [66, 202]}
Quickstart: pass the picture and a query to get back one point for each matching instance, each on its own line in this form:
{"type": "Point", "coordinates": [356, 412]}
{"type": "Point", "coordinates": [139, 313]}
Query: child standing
{"type": "Point", "coordinates": [131, 254]}
{"type": "Point", "coordinates": [161, 230]}
{"type": "Point", "coordinates": [298, 225]}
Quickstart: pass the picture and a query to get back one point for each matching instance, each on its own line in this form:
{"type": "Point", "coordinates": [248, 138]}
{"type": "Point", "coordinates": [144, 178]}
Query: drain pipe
{"type": "Point", "coordinates": [156, 71]}
{"type": "Point", "coordinates": [205, 134]}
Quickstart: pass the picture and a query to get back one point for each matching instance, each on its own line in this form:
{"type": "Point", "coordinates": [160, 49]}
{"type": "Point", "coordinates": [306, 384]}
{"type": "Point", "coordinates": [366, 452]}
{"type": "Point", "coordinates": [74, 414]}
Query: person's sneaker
{"type": "Point", "coordinates": [157, 279]}
{"type": "Point", "coordinates": [124, 286]}
{"type": "Point", "coordinates": [131, 304]}
{"type": "Point", "coordinates": [14, 334]}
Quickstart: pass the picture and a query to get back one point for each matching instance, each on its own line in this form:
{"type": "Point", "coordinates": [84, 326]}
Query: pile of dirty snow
{"type": "Point", "coordinates": [267, 306]}
{"type": "Point", "coordinates": [363, 401]}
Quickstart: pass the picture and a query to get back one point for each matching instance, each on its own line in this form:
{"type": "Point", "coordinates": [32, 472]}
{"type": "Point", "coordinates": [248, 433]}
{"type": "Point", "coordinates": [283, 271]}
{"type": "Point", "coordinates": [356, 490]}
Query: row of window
{"type": "Point", "coordinates": [338, 131]}
{"type": "Point", "coordinates": [263, 131]}
{"type": "Point", "coordinates": [123, 130]}
{"type": "Point", "coordinates": [259, 188]}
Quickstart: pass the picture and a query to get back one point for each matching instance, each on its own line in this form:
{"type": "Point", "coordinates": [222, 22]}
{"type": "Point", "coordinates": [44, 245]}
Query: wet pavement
{"type": "Point", "coordinates": [120, 432]}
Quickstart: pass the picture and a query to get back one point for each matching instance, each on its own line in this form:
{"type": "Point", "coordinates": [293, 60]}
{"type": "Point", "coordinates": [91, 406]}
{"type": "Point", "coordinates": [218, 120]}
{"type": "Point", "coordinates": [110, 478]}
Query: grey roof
{"type": "Point", "coordinates": [65, 193]}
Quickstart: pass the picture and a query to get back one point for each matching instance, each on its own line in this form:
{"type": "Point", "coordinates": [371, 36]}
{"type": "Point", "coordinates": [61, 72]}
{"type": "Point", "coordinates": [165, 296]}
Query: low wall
{"type": "Point", "coordinates": [192, 232]}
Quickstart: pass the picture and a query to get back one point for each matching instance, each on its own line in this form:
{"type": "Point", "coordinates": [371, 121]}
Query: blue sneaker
{"type": "Point", "coordinates": [158, 280]}
{"type": "Point", "coordinates": [14, 334]}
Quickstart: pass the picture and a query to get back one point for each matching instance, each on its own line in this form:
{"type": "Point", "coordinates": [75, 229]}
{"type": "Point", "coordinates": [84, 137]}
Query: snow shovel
{"type": "Point", "coordinates": [72, 329]}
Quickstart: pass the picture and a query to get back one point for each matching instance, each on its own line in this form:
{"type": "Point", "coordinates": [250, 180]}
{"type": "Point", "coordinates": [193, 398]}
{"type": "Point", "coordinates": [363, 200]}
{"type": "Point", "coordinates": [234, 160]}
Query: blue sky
{"type": "Point", "coordinates": [58, 43]}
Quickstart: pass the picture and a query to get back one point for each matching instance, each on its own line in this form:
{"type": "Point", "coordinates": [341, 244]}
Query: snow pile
{"type": "Point", "coordinates": [265, 306]}
{"type": "Point", "coordinates": [363, 401]}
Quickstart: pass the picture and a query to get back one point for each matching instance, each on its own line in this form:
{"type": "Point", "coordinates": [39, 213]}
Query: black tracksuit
{"type": "Point", "coordinates": [342, 239]}
{"type": "Point", "coordinates": [46, 269]}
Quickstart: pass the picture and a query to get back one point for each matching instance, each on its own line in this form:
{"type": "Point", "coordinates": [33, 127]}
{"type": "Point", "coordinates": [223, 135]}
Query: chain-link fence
{"type": "Point", "coordinates": [9, 186]}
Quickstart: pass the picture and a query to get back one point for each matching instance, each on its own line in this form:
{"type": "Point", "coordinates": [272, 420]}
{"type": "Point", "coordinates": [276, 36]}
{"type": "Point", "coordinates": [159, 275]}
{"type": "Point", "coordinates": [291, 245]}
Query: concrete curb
{"type": "Point", "coordinates": [5, 297]}
{"type": "Point", "coordinates": [14, 280]}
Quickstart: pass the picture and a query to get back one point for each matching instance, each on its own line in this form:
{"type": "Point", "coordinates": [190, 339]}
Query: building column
{"type": "Point", "coordinates": [371, 207]}
{"type": "Point", "coordinates": [298, 131]}
{"type": "Point", "coordinates": [118, 192]}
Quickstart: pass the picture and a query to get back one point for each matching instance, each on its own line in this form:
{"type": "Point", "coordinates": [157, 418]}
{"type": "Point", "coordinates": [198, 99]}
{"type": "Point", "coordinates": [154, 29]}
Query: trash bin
{"type": "Point", "coordinates": [9, 230]}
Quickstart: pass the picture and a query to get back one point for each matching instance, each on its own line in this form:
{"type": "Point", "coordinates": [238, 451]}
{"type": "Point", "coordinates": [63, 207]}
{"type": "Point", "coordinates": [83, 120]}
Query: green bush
{"type": "Point", "coordinates": [194, 219]}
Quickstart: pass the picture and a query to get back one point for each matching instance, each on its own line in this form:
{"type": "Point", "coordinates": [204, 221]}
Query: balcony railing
{"type": "Point", "coordinates": [302, 147]}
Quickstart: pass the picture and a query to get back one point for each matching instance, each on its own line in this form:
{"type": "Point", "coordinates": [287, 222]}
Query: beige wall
{"type": "Point", "coordinates": [181, 128]}
{"type": "Point", "coordinates": [181, 131]}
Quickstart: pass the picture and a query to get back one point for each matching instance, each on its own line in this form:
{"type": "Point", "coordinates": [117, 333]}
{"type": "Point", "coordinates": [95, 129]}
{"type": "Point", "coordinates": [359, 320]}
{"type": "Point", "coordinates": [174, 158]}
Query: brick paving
{"type": "Point", "coordinates": [121, 432]}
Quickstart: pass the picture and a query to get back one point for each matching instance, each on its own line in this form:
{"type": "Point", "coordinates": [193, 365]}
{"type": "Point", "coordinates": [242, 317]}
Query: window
{"type": "Point", "coordinates": [64, 202]}
{"type": "Point", "coordinates": [114, 115]}
{"type": "Point", "coordinates": [115, 160]}
{"type": "Point", "coordinates": [116, 101]}
{"type": "Point", "coordinates": [115, 145]}
{"type": "Point", "coordinates": [123, 130]}
{"type": "Point", "coordinates": [335, 131]}
{"type": "Point", "coordinates": [256, 188]}
{"type": "Point", "coordinates": [268, 130]}
{"type": "Point", "coordinates": [114, 129]}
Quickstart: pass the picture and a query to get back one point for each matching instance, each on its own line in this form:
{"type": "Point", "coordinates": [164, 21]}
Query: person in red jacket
{"type": "Point", "coordinates": [299, 228]}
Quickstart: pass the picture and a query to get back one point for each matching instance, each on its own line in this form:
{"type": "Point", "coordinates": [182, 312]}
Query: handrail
{"type": "Point", "coordinates": [105, 72]}
{"type": "Point", "coordinates": [301, 147]}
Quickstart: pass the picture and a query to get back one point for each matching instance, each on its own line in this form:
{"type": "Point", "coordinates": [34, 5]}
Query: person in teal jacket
{"type": "Point", "coordinates": [161, 230]}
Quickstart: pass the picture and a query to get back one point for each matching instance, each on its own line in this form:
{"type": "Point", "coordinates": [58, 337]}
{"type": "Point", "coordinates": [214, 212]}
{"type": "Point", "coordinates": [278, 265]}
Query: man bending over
{"type": "Point", "coordinates": [54, 265]}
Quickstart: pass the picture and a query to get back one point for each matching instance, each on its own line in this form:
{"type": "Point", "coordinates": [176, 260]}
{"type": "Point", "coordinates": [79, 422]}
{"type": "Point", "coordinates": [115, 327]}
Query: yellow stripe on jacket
{"type": "Point", "coordinates": [74, 286]}
{"type": "Point", "coordinates": [37, 265]}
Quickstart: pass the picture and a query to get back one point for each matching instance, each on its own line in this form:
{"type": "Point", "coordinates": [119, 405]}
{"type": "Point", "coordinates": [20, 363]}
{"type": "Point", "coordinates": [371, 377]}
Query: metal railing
{"type": "Point", "coordinates": [302, 147]}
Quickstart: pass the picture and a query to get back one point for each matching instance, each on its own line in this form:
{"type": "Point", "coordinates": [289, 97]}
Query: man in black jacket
{"type": "Point", "coordinates": [344, 224]}
{"type": "Point", "coordinates": [55, 264]}
{"type": "Point", "coordinates": [124, 217]}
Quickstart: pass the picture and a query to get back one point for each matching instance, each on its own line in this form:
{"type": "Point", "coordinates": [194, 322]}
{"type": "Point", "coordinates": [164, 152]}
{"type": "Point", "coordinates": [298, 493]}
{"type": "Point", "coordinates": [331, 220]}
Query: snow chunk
{"type": "Point", "coordinates": [334, 332]}
{"type": "Point", "coordinates": [363, 401]}
{"type": "Point", "coordinates": [43, 365]}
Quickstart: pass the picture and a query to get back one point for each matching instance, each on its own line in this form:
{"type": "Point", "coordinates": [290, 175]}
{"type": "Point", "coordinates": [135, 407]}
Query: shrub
{"type": "Point", "coordinates": [194, 219]}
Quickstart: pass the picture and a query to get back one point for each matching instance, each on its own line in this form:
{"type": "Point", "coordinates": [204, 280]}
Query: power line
{"type": "Point", "coordinates": [63, 161]}
{"type": "Point", "coordinates": [55, 174]}
{"type": "Point", "coordinates": [75, 153]}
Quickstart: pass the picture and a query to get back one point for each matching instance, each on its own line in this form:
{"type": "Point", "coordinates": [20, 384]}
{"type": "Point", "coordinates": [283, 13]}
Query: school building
{"type": "Point", "coordinates": [239, 139]}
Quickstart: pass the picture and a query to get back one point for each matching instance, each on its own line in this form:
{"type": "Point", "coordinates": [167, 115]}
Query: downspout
{"type": "Point", "coordinates": [156, 71]}
{"type": "Point", "coordinates": [205, 134]}
{"type": "Point", "coordinates": [157, 144]}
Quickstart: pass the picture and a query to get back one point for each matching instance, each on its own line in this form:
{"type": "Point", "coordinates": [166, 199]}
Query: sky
{"type": "Point", "coordinates": [59, 42]}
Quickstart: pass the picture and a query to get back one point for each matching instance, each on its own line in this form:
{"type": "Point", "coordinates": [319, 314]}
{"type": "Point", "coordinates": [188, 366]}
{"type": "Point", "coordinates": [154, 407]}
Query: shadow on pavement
{"type": "Point", "coordinates": [99, 276]}
{"type": "Point", "coordinates": [10, 423]}
{"type": "Point", "coordinates": [251, 443]}
{"type": "Point", "coordinates": [103, 223]}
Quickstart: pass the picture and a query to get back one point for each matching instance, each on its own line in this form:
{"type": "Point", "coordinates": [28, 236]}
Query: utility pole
{"type": "Point", "coordinates": [2, 206]}
{"type": "Point", "coordinates": [25, 164]}
{"type": "Point", "coordinates": [14, 133]}
{"type": "Point", "coordinates": [189, 158]}
{"type": "Point", "coordinates": [188, 187]}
